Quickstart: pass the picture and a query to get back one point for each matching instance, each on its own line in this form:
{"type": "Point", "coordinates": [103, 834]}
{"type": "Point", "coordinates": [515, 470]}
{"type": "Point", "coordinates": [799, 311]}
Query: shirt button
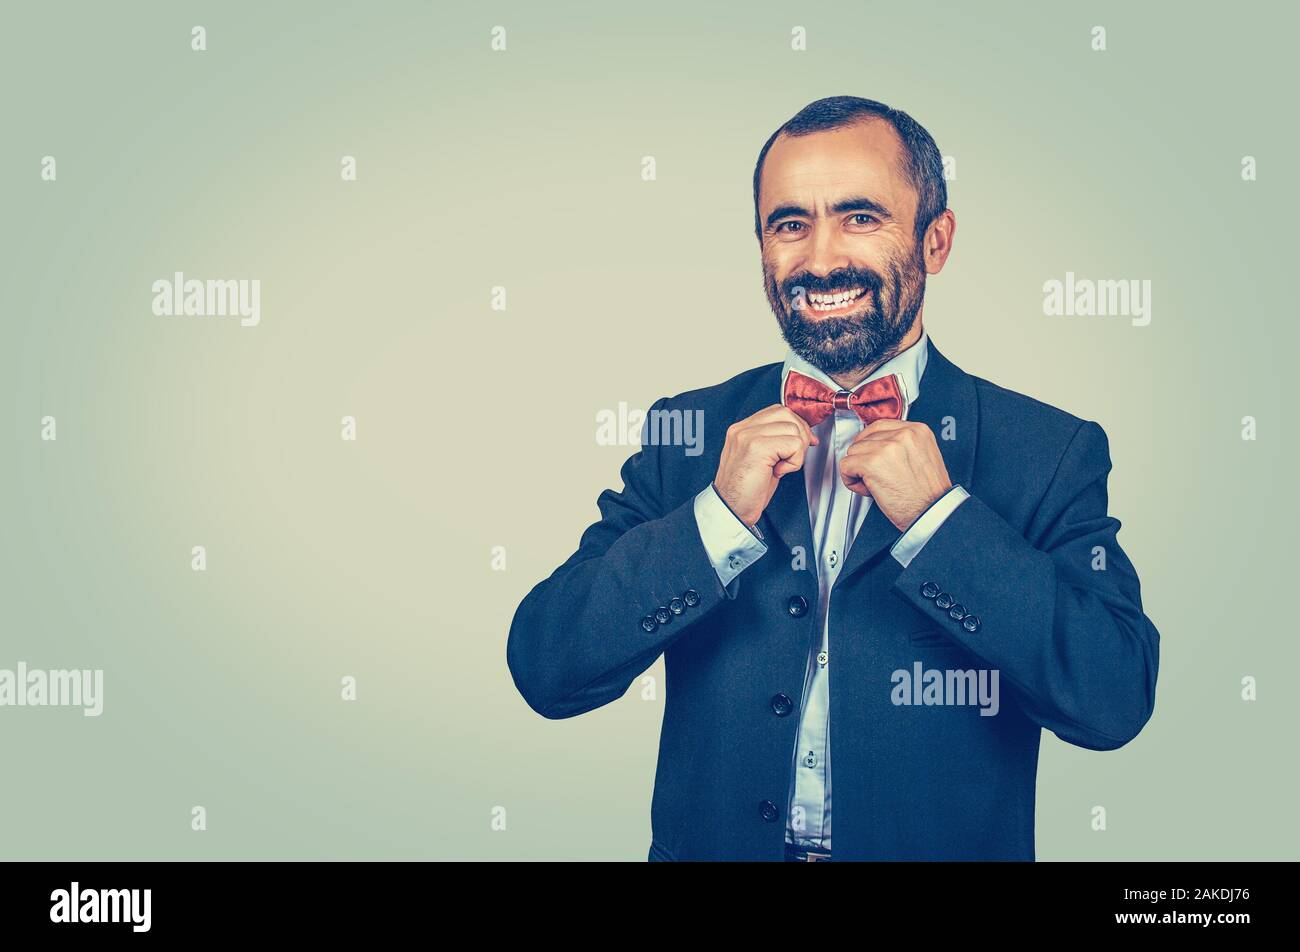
{"type": "Point", "coordinates": [734, 561]}
{"type": "Point", "coordinates": [822, 658]}
{"type": "Point", "coordinates": [810, 759]}
{"type": "Point", "coordinates": [833, 560]}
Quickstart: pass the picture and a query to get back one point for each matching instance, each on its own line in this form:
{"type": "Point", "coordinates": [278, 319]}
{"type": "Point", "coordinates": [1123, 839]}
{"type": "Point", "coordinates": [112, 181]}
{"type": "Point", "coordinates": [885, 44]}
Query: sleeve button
{"type": "Point", "coordinates": [971, 623]}
{"type": "Point", "coordinates": [691, 597]}
{"type": "Point", "coordinates": [930, 589]}
{"type": "Point", "coordinates": [648, 623]}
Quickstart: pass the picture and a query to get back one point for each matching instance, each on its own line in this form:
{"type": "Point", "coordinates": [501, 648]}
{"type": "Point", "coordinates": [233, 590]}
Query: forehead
{"type": "Point", "coordinates": [865, 158]}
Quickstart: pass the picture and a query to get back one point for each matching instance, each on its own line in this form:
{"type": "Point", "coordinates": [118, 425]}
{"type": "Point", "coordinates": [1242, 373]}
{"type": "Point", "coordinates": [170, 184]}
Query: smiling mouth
{"type": "Point", "coordinates": [840, 302]}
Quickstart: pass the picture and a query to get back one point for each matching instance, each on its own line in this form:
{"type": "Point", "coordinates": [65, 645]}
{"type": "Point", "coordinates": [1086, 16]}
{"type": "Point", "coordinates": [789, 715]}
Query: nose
{"type": "Point", "coordinates": [827, 251]}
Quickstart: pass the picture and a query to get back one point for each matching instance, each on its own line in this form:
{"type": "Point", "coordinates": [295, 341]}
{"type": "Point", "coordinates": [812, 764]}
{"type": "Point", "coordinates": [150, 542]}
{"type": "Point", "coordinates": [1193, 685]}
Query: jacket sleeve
{"type": "Point", "coordinates": [1060, 618]}
{"type": "Point", "coordinates": [580, 637]}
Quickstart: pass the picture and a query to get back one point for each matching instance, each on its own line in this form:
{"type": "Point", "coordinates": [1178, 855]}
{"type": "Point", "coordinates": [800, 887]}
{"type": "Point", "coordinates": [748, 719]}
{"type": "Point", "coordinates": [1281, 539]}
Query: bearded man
{"type": "Point", "coordinates": [871, 543]}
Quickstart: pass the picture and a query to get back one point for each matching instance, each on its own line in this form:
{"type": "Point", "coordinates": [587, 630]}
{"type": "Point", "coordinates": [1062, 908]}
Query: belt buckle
{"type": "Point", "coordinates": [802, 855]}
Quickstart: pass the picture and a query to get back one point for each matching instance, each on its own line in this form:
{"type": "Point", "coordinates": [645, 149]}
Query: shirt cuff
{"type": "Point", "coordinates": [730, 544]}
{"type": "Point", "coordinates": [919, 532]}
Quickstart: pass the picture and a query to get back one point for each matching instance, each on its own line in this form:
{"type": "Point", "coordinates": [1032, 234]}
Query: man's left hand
{"type": "Point", "coordinates": [898, 464]}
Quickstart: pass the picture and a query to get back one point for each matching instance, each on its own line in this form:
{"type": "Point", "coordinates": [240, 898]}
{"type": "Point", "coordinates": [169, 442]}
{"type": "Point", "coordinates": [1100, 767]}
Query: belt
{"type": "Point", "coordinates": [797, 854]}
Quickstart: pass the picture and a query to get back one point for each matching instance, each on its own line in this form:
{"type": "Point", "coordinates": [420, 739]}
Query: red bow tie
{"type": "Point", "coordinates": [877, 399]}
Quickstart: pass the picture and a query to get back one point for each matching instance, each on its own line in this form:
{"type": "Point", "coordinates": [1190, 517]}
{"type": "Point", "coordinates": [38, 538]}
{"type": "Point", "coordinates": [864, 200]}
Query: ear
{"type": "Point", "coordinates": [937, 243]}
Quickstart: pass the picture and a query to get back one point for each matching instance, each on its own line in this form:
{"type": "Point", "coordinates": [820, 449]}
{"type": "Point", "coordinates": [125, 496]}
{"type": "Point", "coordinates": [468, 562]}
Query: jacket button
{"type": "Point", "coordinates": [691, 597]}
{"type": "Point", "coordinates": [663, 615]}
{"type": "Point", "coordinates": [957, 612]}
{"type": "Point", "coordinates": [676, 606]}
{"type": "Point", "coordinates": [768, 811]}
{"type": "Point", "coordinates": [930, 589]}
{"type": "Point", "coordinates": [971, 623]}
{"type": "Point", "coordinates": [797, 606]}
{"type": "Point", "coordinates": [943, 601]}
{"type": "Point", "coordinates": [648, 623]}
{"type": "Point", "coordinates": [781, 705]}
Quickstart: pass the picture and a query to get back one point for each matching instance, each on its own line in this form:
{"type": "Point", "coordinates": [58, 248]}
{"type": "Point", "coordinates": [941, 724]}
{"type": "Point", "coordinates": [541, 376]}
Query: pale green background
{"type": "Point", "coordinates": [522, 169]}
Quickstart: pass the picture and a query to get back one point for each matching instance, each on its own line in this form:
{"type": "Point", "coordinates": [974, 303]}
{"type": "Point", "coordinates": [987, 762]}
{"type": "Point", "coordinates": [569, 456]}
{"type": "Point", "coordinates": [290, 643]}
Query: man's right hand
{"type": "Point", "coordinates": [760, 450]}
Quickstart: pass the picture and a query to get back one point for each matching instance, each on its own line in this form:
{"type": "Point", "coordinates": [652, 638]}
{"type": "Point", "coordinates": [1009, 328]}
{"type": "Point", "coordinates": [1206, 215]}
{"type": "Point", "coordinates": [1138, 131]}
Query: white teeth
{"type": "Point", "coordinates": [830, 302]}
{"type": "Point", "coordinates": [843, 297]}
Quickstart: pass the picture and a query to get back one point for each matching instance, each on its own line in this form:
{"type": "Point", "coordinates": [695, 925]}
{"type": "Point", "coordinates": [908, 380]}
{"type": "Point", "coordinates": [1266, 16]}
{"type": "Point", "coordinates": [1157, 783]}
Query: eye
{"type": "Point", "coordinates": [868, 218]}
{"type": "Point", "coordinates": [786, 225]}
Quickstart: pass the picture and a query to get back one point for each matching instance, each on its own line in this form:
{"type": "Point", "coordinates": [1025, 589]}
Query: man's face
{"type": "Point", "coordinates": [842, 270]}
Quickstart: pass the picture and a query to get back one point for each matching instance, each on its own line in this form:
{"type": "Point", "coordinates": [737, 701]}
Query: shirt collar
{"type": "Point", "coordinates": [908, 364]}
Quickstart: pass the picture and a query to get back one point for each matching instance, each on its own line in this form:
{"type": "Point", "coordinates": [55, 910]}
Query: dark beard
{"type": "Point", "coordinates": [855, 342]}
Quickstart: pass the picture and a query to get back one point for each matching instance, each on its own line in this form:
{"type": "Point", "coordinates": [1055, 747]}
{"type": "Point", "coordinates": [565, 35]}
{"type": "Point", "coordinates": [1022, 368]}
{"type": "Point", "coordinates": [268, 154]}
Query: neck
{"type": "Point", "coordinates": [852, 378]}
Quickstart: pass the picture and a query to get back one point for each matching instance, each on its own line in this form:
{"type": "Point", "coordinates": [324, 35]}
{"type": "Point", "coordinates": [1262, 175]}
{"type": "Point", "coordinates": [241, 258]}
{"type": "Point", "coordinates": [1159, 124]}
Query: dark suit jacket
{"type": "Point", "coordinates": [1074, 651]}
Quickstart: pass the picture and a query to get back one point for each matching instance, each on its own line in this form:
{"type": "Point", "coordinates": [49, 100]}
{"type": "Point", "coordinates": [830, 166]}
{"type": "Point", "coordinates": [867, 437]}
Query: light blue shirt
{"type": "Point", "coordinates": [836, 514]}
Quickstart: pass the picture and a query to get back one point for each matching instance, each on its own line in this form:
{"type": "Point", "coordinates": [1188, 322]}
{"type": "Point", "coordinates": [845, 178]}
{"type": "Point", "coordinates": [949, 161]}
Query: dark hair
{"type": "Point", "coordinates": [923, 165]}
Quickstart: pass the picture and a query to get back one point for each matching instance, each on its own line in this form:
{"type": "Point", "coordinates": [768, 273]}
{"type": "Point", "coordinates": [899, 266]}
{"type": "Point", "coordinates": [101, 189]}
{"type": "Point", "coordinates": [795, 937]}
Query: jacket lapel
{"type": "Point", "coordinates": [787, 514]}
{"type": "Point", "coordinates": [948, 406]}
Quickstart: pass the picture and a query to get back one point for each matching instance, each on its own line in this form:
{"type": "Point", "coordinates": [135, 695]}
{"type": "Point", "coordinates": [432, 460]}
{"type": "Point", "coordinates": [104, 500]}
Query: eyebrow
{"type": "Point", "coordinates": [859, 203]}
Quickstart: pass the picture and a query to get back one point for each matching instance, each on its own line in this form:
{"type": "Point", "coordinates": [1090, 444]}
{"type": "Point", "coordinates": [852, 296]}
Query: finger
{"type": "Point", "coordinates": [779, 415]}
{"type": "Point", "coordinates": [776, 411]}
{"type": "Point", "coordinates": [777, 428]}
{"type": "Point", "coordinates": [869, 447]}
{"type": "Point", "coordinates": [779, 411]}
{"type": "Point", "coordinates": [853, 473]}
{"type": "Point", "coordinates": [789, 454]}
{"type": "Point", "coordinates": [877, 429]}
{"type": "Point", "coordinates": [856, 484]}
{"type": "Point", "coordinates": [799, 421]}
